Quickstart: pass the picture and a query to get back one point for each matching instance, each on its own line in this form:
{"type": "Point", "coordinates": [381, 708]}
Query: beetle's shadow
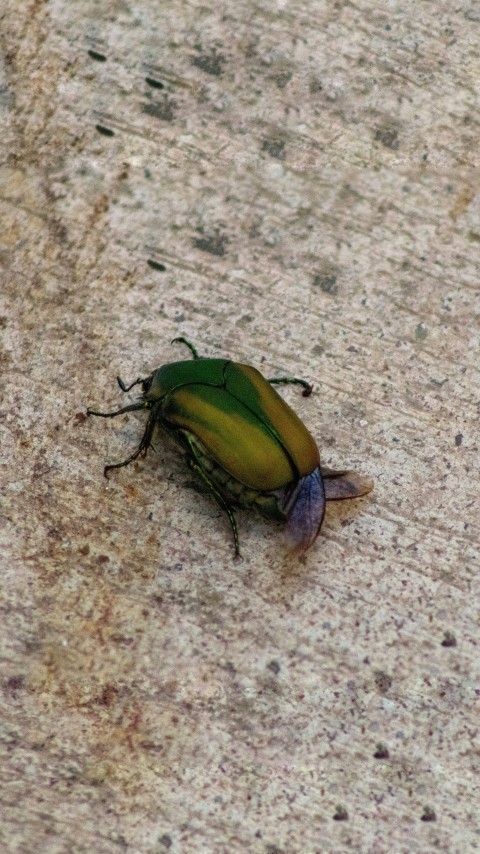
{"type": "Point", "coordinates": [342, 514]}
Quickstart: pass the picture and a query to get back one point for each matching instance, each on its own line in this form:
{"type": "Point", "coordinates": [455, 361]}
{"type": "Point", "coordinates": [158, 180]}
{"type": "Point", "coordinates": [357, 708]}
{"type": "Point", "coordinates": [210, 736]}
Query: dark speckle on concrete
{"type": "Point", "coordinates": [327, 282]}
{"type": "Point", "coordinates": [215, 243]}
{"type": "Point", "coordinates": [388, 137]}
{"type": "Point", "coordinates": [340, 813]}
{"type": "Point", "coordinates": [211, 63]}
{"type": "Point", "coordinates": [164, 109]}
{"type": "Point", "coordinates": [428, 814]}
{"type": "Point", "coordinates": [381, 751]}
{"type": "Point", "coordinates": [275, 148]}
{"type": "Point", "coordinates": [449, 639]}
{"type": "Point", "coordinates": [383, 681]}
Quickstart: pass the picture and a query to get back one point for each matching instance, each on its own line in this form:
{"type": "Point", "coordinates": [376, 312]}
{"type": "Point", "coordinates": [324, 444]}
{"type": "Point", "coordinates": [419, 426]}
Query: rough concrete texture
{"type": "Point", "coordinates": [294, 185]}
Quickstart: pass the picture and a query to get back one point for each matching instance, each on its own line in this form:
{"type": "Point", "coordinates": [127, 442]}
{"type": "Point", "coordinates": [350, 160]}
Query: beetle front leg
{"type": "Point", "coordinates": [132, 407]}
{"type": "Point", "coordinates": [307, 387]}
{"type": "Point", "coordinates": [146, 438]}
{"type": "Point", "coordinates": [126, 388]}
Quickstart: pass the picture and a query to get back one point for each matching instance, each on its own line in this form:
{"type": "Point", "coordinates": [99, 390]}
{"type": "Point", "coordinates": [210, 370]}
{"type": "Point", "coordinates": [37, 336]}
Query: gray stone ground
{"type": "Point", "coordinates": [295, 185]}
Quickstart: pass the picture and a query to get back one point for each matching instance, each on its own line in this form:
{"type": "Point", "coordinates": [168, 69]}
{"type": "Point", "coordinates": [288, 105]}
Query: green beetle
{"type": "Point", "coordinates": [243, 441]}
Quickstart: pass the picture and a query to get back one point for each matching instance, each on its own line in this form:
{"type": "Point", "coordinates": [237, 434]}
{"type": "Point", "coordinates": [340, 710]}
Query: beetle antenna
{"type": "Point", "coordinates": [187, 343]}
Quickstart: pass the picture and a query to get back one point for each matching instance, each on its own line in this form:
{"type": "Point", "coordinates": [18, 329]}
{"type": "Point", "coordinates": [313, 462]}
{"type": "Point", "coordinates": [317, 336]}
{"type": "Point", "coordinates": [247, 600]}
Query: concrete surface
{"type": "Point", "coordinates": [295, 185]}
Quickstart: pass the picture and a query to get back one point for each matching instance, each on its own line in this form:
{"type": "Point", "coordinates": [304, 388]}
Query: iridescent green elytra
{"type": "Point", "coordinates": [243, 441]}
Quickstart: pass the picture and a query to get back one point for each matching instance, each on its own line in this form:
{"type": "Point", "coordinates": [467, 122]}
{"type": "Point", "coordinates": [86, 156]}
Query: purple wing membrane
{"type": "Point", "coordinates": [345, 484]}
{"type": "Point", "coordinates": [305, 509]}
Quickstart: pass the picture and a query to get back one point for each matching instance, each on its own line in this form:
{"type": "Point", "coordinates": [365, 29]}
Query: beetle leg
{"type": "Point", "coordinates": [130, 408]}
{"type": "Point", "coordinates": [190, 346]}
{"type": "Point", "coordinates": [128, 387]}
{"type": "Point", "coordinates": [307, 387]}
{"type": "Point", "coordinates": [197, 468]}
{"type": "Point", "coordinates": [220, 500]}
{"type": "Point", "coordinates": [146, 438]}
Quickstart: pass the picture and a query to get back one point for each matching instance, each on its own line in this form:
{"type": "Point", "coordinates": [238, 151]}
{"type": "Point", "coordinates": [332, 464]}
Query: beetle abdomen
{"type": "Point", "coordinates": [234, 490]}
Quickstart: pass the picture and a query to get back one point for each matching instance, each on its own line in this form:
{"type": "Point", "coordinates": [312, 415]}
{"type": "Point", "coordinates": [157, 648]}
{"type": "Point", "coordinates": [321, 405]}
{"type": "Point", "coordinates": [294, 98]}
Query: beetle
{"type": "Point", "coordinates": [243, 440]}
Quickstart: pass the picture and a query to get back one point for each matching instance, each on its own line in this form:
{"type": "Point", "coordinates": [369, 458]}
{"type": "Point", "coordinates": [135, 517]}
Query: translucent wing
{"type": "Point", "coordinates": [305, 509]}
{"type": "Point", "coordinates": [344, 484]}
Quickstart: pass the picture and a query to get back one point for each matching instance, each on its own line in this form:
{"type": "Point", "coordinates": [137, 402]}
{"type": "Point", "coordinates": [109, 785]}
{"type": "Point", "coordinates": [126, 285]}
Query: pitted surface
{"type": "Point", "coordinates": [294, 186]}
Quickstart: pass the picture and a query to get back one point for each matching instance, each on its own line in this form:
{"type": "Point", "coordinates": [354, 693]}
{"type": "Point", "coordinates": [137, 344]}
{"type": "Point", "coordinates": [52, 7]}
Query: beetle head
{"type": "Point", "coordinates": [147, 384]}
{"type": "Point", "coordinates": [155, 387]}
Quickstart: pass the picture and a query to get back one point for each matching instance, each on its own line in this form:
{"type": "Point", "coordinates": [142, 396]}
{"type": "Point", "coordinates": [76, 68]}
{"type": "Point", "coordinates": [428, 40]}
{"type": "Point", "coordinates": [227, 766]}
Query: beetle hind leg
{"type": "Point", "coordinates": [307, 387]}
{"type": "Point", "coordinates": [188, 344]}
{"type": "Point", "coordinates": [197, 468]}
{"type": "Point", "coordinates": [220, 500]}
